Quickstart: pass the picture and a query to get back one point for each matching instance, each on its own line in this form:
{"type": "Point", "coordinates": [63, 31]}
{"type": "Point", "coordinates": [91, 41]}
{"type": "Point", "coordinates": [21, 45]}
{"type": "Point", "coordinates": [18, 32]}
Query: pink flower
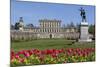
{"type": "Point", "coordinates": [16, 56]}
{"type": "Point", "coordinates": [26, 54]}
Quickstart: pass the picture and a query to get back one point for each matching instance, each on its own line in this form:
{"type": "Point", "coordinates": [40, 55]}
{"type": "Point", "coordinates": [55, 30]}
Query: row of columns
{"type": "Point", "coordinates": [50, 25]}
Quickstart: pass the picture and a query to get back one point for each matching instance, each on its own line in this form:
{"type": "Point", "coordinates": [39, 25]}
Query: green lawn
{"type": "Point", "coordinates": [49, 43]}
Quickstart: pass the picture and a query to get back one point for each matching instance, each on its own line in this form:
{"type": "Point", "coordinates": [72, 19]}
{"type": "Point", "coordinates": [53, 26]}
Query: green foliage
{"type": "Point", "coordinates": [16, 26]}
{"type": "Point", "coordinates": [92, 29]}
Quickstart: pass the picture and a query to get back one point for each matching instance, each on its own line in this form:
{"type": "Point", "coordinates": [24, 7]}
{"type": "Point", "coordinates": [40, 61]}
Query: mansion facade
{"type": "Point", "coordinates": [46, 29]}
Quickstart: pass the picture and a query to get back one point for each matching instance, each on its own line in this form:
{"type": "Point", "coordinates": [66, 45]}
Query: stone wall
{"type": "Point", "coordinates": [23, 35]}
{"type": "Point", "coordinates": [29, 35]}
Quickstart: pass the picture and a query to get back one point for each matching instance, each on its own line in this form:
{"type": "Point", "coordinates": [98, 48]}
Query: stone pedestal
{"type": "Point", "coordinates": [84, 36]}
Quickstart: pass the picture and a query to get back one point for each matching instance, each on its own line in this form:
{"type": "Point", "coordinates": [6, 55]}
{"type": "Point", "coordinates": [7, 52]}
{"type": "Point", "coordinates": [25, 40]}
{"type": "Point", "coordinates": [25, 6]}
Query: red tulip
{"type": "Point", "coordinates": [49, 51]}
{"type": "Point", "coordinates": [30, 52]}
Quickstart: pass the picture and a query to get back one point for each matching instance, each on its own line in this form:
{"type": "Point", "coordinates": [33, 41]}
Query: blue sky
{"type": "Point", "coordinates": [33, 11]}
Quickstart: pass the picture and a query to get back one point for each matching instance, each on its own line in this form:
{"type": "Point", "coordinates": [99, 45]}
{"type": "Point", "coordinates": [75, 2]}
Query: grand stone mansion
{"type": "Point", "coordinates": [46, 29]}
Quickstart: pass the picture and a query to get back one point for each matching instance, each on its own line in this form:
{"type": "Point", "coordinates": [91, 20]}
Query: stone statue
{"type": "Point", "coordinates": [83, 14]}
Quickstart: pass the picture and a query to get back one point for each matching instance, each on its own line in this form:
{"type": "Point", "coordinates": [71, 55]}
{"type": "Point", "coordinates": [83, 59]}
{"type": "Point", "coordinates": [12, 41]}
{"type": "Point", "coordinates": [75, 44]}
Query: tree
{"type": "Point", "coordinates": [16, 26]}
{"type": "Point", "coordinates": [72, 24]}
{"type": "Point", "coordinates": [30, 25]}
{"type": "Point", "coordinates": [92, 29]}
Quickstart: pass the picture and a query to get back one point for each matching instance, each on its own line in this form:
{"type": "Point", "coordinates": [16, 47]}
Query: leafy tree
{"type": "Point", "coordinates": [30, 25]}
{"type": "Point", "coordinates": [92, 29]}
{"type": "Point", "coordinates": [16, 26]}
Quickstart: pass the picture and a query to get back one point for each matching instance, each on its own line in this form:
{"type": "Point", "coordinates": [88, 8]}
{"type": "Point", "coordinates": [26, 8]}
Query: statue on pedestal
{"type": "Point", "coordinates": [84, 35]}
{"type": "Point", "coordinates": [83, 14]}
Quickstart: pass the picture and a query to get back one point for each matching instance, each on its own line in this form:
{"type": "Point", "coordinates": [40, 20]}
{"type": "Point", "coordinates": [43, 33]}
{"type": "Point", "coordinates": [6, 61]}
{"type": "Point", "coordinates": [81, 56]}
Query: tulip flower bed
{"type": "Point", "coordinates": [52, 56]}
